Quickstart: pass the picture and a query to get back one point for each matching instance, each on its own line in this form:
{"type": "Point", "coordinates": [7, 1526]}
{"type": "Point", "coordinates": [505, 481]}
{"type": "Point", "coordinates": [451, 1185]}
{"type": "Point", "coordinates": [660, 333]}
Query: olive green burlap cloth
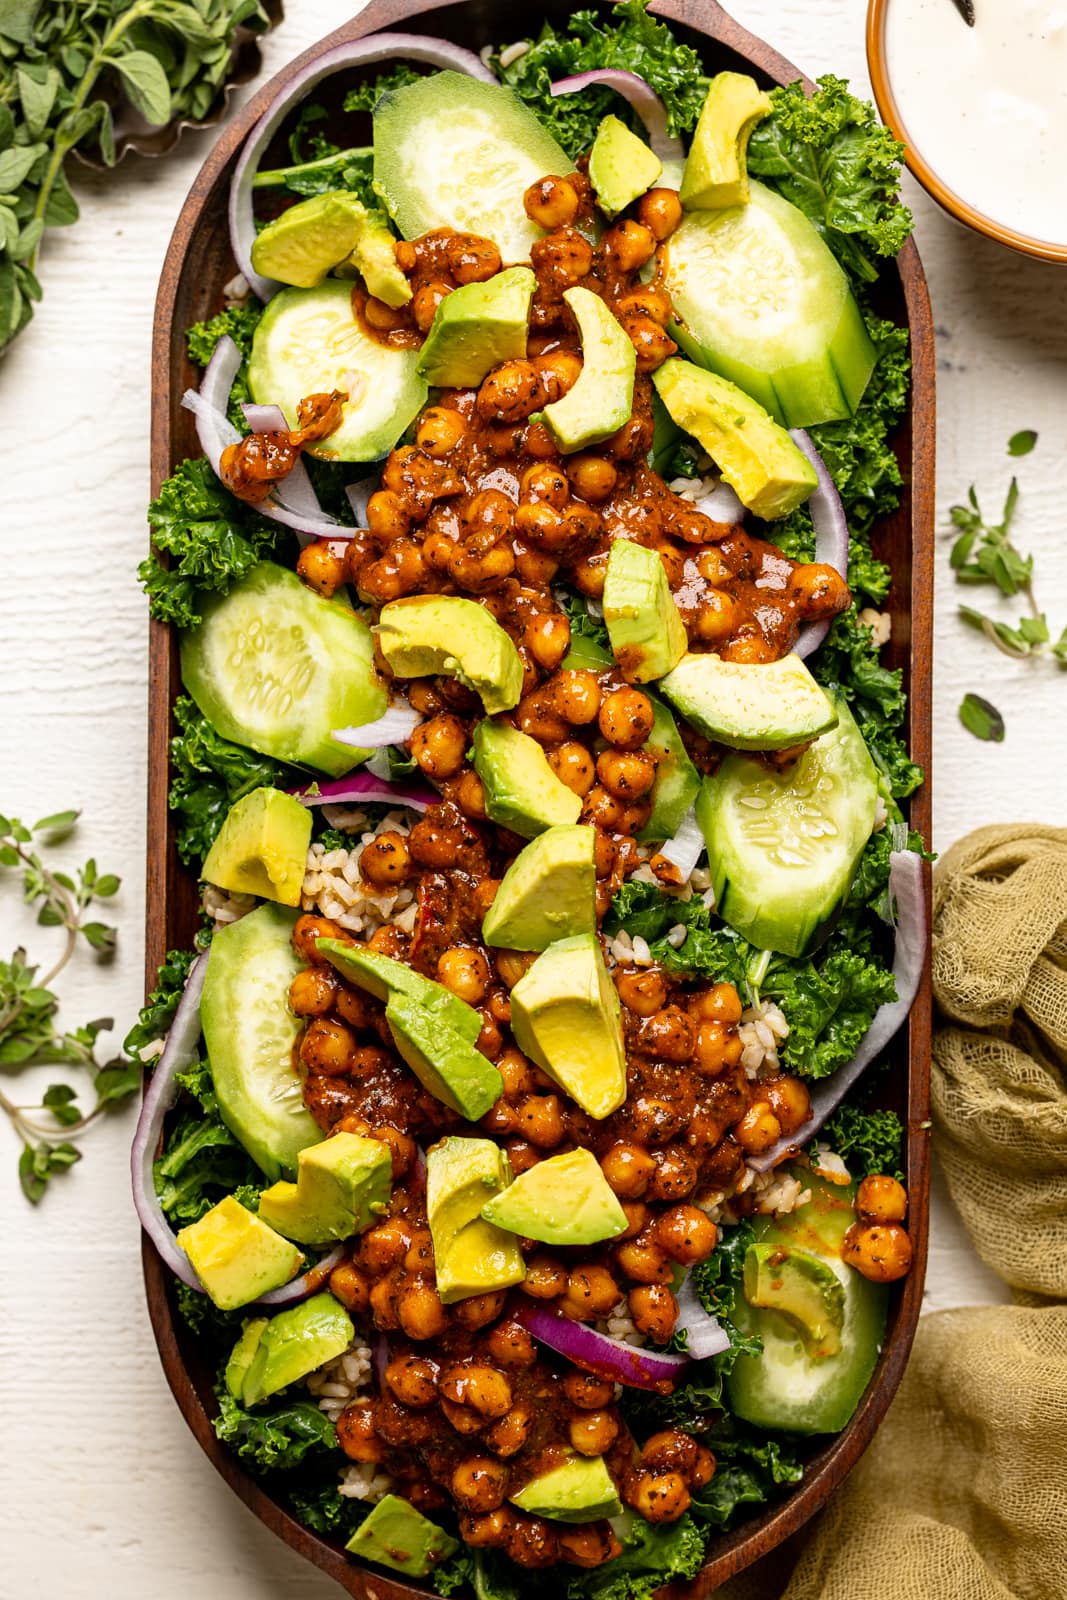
{"type": "Point", "coordinates": [963, 1493]}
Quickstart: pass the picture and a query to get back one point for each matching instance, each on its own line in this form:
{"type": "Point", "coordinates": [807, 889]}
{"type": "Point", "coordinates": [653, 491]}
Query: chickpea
{"type": "Point", "coordinates": [590, 574]}
{"type": "Point", "coordinates": [644, 1260]}
{"type": "Point", "coordinates": [327, 1047]}
{"type": "Point", "coordinates": [510, 392]}
{"type": "Point", "coordinates": [426, 301]}
{"type": "Point", "coordinates": [511, 965]}
{"type": "Point", "coordinates": [575, 695]}
{"type": "Point", "coordinates": [357, 1436]}
{"type": "Point", "coordinates": [480, 573]}
{"type": "Point", "coordinates": [537, 716]}
{"type": "Point", "coordinates": [661, 211]}
{"type": "Point", "coordinates": [758, 1129]}
{"type": "Point", "coordinates": [387, 517]}
{"type": "Point", "coordinates": [642, 990]}
{"type": "Point", "coordinates": [472, 259]}
{"type": "Point", "coordinates": [602, 810]}
{"type": "Point", "coordinates": [439, 431]}
{"type": "Point", "coordinates": [588, 1392]}
{"type": "Point", "coordinates": [590, 1545]}
{"type": "Point", "coordinates": [545, 482]}
{"type": "Point", "coordinates": [536, 568]}
{"type": "Point", "coordinates": [490, 1040]}
{"type": "Point", "coordinates": [478, 1484]}
{"type": "Point", "coordinates": [584, 526]}
{"type": "Point", "coordinates": [510, 1345]}
{"type": "Point", "coordinates": [749, 647]}
{"type": "Point", "coordinates": [686, 1234]}
{"type": "Point", "coordinates": [487, 518]}
{"type": "Point", "coordinates": [717, 1047]}
{"type": "Point", "coordinates": [490, 1531]}
{"type": "Point", "coordinates": [359, 551]}
{"type": "Point", "coordinates": [626, 718]}
{"type": "Point", "coordinates": [507, 1437]}
{"type": "Point", "coordinates": [652, 343]}
{"type": "Point", "coordinates": [313, 991]}
{"type": "Point", "coordinates": [401, 1146]}
{"type": "Point", "coordinates": [591, 1293]}
{"type": "Point", "coordinates": [670, 1450]}
{"type": "Point", "coordinates": [654, 1310]}
{"type": "Point", "coordinates": [628, 245]}
{"type": "Point", "coordinates": [647, 302]}
{"type": "Point", "coordinates": [421, 1314]}
{"type": "Point", "coordinates": [880, 1251]}
{"type": "Point", "coordinates": [462, 1419]}
{"type": "Point", "coordinates": [790, 1101]}
{"type": "Point", "coordinates": [539, 443]}
{"type": "Point", "coordinates": [573, 765]}
{"type": "Point", "coordinates": [881, 1199]}
{"type": "Point", "coordinates": [675, 1175]}
{"type": "Point", "coordinates": [628, 1168]}
{"type": "Point", "coordinates": [658, 1496]}
{"type": "Point", "coordinates": [667, 1034]}
{"type": "Point", "coordinates": [413, 1380]}
{"type": "Point", "coordinates": [470, 795]}
{"type": "Point", "coordinates": [604, 855]}
{"type": "Point", "coordinates": [532, 1543]}
{"type": "Point", "coordinates": [713, 567]}
{"type": "Point", "coordinates": [386, 862]}
{"type": "Point", "coordinates": [559, 372]}
{"type": "Point", "coordinates": [592, 477]}
{"type": "Point", "coordinates": [307, 932]}
{"type": "Point", "coordinates": [349, 1285]}
{"type": "Point", "coordinates": [591, 1433]}
{"type": "Point", "coordinates": [548, 637]}
{"type": "Point", "coordinates": [720, 1003]}
{"type": "Point", "coordinates": [465, 972]}
{"type": "Point", "coordinates": [560, 261]}
{"type": "Point", "coordinates": [545, 1278]}
{"type": "Point", "coordinates": [819, 590]}
{"type": "Point", "coordinates": [480, 1387]}
{"type": "Point", "coordinates": [540, 1121]}
{"type": "Point", "coordinates": [625, 773]}
{"type": "Point", "coordinates": [551, 202]}
{"type": "Point", "coordinates": [543, 524]}
{"type": "Point", "coordinates": [385, 1245]}
{"type": "Point", "coordinates": [637, 1215]}
{"type": "Point", "coordinates": [381, 316]}
{"type": "Point", "coordinates": [399, 570]}
{"type": "Point", "coordinates": [383, 1303]}
{"type": "Point", "coordinates": [321, 564]}
{"type": "Point", "coordinates": [703, 1468]}
{"type": "Point", "coordinates": [717, 617]}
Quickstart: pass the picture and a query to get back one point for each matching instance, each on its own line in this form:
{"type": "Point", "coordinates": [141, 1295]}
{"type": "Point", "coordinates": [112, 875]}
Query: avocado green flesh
{"type": "Point", "coordinates": [429, 634]}
{"type": "Point", "coordinates": [471, 1255]}
{"type": "Point", "coordinates": [787, 1386]}
{"type": "Point", "coordinates": [236, 1255]}
{"type": "Point", "coordinates": [644, 625]}
{"type": "Point", "coordinates": [309, 342]}
{"type": "Point", "coordinates": [792, 338]}
{"type": "Point", "coordinates": [801, 1286]}
{"type": "Point", "coordinates": [302, 245]}
{"type": "Point", "coordinates": [621, 166]}
{"type": "Point", "coordinates": [565, 1200]}
{"type": "Point", "coordinates": [383, 977]}
{"type": "Point", "coordinates": [374, 258]}
{"type": "Point", "coordinates": [276, 667]}
{"type": "Point", "coordinates": [716, 173]}
{"type": "Point", "coordinates": [342, 1185]}
{"type": "Point", "coordinates": [565, 1016]}
{"type": "Point", "coordinates": [548, 892]}
{"type": "Point", "coordinates": [579, 1490]}
{"type": "Point", "coordinates": [521, 790]}
{"type": "Point", "coordinates": [677, 782]}
{"type": "Point", "coordinates": [397, 1535]}
{"type": "Point", "coordinates": [249, 1034]}
{"type": "Point", "coordinates": [765, 705]}
{"type": "Point", "coordinates": [262, 847]}
{"type": "Point", "coordinates": [784, 846]}
{"type": "Point", "coordinates": [294, 1343]}
{"type": "Point", "coordinates": [241, 1356]}
{"type": "Point", "coordinates": [476, 327]}
{"type": "Point", "coordinates": [601, 399]}
{"type": "Point", "coordinates": [445, 1063]}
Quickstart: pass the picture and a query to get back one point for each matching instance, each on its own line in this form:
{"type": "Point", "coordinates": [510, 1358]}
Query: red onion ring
{"type": "Point", "coordinates": [831, 535]}
{"type": "Point", "coordinates": [359, 52]}
{"type": "Point", "coordinates": [640, 95]}
{"type": "Point", "coordinates": [705, 1335]}
{"type": "Point", "coordinates": [363, 785]}
{"type": "Point", "coordinates": [359, 494]}
{"type": "Point", "coordinates": [598, 1352]}
{"type": "Point", "coordinates": [907, 888]}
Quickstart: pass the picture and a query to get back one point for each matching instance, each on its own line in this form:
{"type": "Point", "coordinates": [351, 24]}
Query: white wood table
{"type": "Point", "coordinates": [104, 1490]}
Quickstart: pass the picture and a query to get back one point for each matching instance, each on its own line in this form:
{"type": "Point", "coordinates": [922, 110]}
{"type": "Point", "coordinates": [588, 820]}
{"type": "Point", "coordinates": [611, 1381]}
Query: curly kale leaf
{"type": "Point", "coordinates": [829, 1006]}
{"type": "Point", "coordinates": [647, 912]}
{"type": "Point", "coordinates": [319, 1505]}
{"type": "Point", "coordinates": [212, 538]}
{"type": "Point", "coordinates": [750, 1468]}
{"type": "Point", "coordinates": [717, 1282]}
{"type": "Point", "coordinates": [866, 1141]}
{"type": "Point", "coordinates": [635, 42]}
{"type": "Point", "coordinates": [208, 774]}
{"type": "Point", "coordinates": [240, 322]}
{"type": "Point", "coordinates": [157, 1013]}
{"type": "Point", "coordinates": [849, 659]}
{"type": "Point", "coordinates": [653, 1554]}
{"type": "Point", "coordinates": [274, 1441]}
{"type": "Point", "coordinates": [366, 95]}
{"type": "Point", "coordinates": [831, 157]}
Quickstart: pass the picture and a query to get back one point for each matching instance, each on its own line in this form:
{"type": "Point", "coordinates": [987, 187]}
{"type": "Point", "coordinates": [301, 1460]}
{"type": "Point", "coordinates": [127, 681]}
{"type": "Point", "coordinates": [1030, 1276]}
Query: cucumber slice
{"type": "Point", "coordinates": [308, 342]}
{"type": "Point", "coordinates": [451, 152]}
{"type": "Point", "coordinates": [784, 846]}
{"type": "Point", "coordinates": [762, 302]}
{"type": "Point", "coordinates": [677, 780]}
{"type": "Point", "coordinates": [276, 667]}
{"type": "Point", "coordinates": [249, 1034]}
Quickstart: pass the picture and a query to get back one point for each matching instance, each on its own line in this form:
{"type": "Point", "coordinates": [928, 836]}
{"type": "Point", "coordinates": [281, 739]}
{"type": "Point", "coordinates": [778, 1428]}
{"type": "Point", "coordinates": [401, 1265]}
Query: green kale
{"type": "Point", "coordinates": [635, 42]}
{"type": "Point", "coordinates": [317, 1502]}
{"type": "Point", "coordinates": [832, 157]}
{"type": "Point", "coordinates": [272, 1441]}
{"type": "Point", "coordinates": [366, 95]}
{"type": "Point", "coordinates": [201, 1163]}
{"type": "Point", "coordinates": [717, 1282]}
{"type": "Point", "coordinates": [201, 1316]}
{"type": "Point", "coordinates": [213, 540]}
{"type": "Point", "coordinates": [829, 1003]}
{"type": "Point", "coordinates": [584, 625]}
{"type": "Point", "coordinates": [750, 1468]}
{"type": "Point", "coordinates": [459, 1574]}
{"type": "Point", "coordinates": [157, 1013]}
{"type": "Point", "coordinates": [849, 659]}
{"type": "Point", "coordinates": [647, 912]}
{"type": "Point", "coordinates": [654, 1554]}
{"type": "Point", "coordinates": [208, 774]}
{"type": "Point", "coordinates": [240, 322]}
{"type": "Point", "coordinates": [867, 1141]}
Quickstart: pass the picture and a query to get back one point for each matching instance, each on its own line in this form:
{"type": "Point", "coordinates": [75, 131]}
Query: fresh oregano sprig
{"type": "Point", "coordinates": [29, 1035]}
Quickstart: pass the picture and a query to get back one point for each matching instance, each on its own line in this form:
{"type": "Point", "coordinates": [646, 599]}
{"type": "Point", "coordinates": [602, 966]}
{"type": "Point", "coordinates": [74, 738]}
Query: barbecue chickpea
{"type": "Point", "coordinates": [327, 1047]}
{"type": "Point", "coordinates": [668, 1034]}
{"type": "Point", "coordinates": [559, 373]}
{"type": "Point", "coordinates": [439, 431]}
{"type": "Point", "coordinates": [472, 259]}
{"type": "Point", "coordinates": [480, 573]}
{"type": "Point", "coordinates": [660, 210]}
{"type": "Point", "coordinates": [400, 1145]}
{"type": "Point", "coordinates": [880, 1251]}
{"type": "Point", "coordinates": [463, 1420]}
{"type": "Point", "coordinates": [573, 765]}
{"type": "Point", "coordinates": [357, 1436]}
{"type": "Point", "coordinates": [717, 1047]}
{"type": "Point", "coordinates": [720, 1003]}
{"type": "Point", "coordinates": [588, 1392]}
{"type": "Point", "coordinates": [788, 1098]}
{"type": "Point", "coordinates": [628, 1167]}
{"type": "Point", "coordinates": [625, 718]}
{"type": "Point", "coordinates": [545, 1278]}
{"type": "Point", "coordinates": [321, 564]}
{"type": "Point", "coordinates": [658, 1496]}
{"type": "Point", "coordinates": [413, 1380]}
{"type": "Point", "coordinates": [646, 302]}
{"type": "Point", "coordinates": [532, 1543]}
{"type": "Point", "coordinates": [758, 1129]}
{"type": "Point", "coordinates": [349, 1285]}
{"type": "Point", "coordinates": [651, 343]}
{"type": "Point", "coordinates": [385, 1245]}
{"type": "Point", "coordinates": [439, 746]}
{"type": "Point", "coordinates": [592, 1433]}
{"type": "Point", "coordinates": [551, 202]}
{"type": "Point", "coordinates": [479, 1483]}
{"type": "Point", "coordinates": [819, 588]}
{"type": "Point", "coordinates": [717, 616]}
{"type": "Point", "coordinates": [590, 575]}
{"type": "Point", "coordinates": [540, 1121]}
{"type": "Point", "coordinates": [592, 477]}
{"type": "Point", "coordinates": [642, 989]}
{"type": "Point", "coordinates": [511, 1346]}
{"type": "Point", "coordinates": [397, 572]}
{"type": "Point", "coordinates": [510, 392]}
{"type": "Point", "coordinates": [628, 245]}
{"type": "Point", "coordinates": [654, 1310]}
{"type": "Point", "coordinates": [685, 1234]}
{"type": "Point", "coordinates": [490, 1531]}
{"type": "Point", "coordinates": [588, 1546]}
{"type": "Point", "coordinates": [507, 1436]}
{"type": "Point", "coordinates": [536, 568]}
{"type": "Point", "coordinates": [465, 972]}
{"type": "Point", "coordinates": [386, 861]}
{"type": "Point", "coordinates": [591, 1293]}
{"type": "Point", "coordinates": [312, 992]}
{"type": "Point", "coordinates": [543, 524]}
{"type": "Point", "coordinates": [712, 566]}
{"type": "Point", "coordinates": [384, 318]}
{"type": "Point", "coordinates": [881, 1199]}
{"type": "Point", "coordinates": [670, 1450]}
{"type": "Point", "coordinates": [470, 795]}
{"type": "Point", "coordinates": [511, 965]}
{"type": "Point", "coordinates": [626, 774]}
{"type": "Point", "coordinates": [675, 1175]}
{"type": "Point", "coordinates": [563, 259]}
{"type": "Point", "coordinates": [575, 696]}
{"type": "Point", "coordinates": [421, 1314]}
{"type": "Point", "coordinates": [480, 1387]}
{"type": "Point", "coordinates": [545, 482]}
{"type": "Point", "coordinates": [427, 299]}
{"type": "Point", "coordinates": [750, 647]}
{"type": "Point", "coordinates": [637, 1215]}
{"type": "Point", "coordinates": [644, 1260]}
{"type": "Point", "coordinates": [387, 517]}
{"type": "Point", "coordinates": [601, 809]}
{"type": "Point", "coordinates": [307, 931]}
{"type": "Point", "coordinates": [548, 637]}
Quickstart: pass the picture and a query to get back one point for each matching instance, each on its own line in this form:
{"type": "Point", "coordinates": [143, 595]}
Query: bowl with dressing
{"type": "Point", "coordinates": [981, 107]}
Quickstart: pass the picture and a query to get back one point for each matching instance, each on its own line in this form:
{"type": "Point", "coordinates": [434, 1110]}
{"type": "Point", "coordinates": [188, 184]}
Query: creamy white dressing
{"type": "Point", "coordinates": [986, 107]}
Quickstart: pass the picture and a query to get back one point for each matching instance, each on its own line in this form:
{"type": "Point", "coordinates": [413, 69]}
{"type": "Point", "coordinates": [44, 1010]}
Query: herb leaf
{"type": "Point", "coordinates": [981, 718]}
{"type": "Point", "coordinates": [1021, 443]}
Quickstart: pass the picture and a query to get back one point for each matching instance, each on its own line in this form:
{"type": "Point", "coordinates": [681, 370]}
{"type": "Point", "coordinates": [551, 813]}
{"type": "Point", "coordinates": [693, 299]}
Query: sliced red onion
{"type": "Point", "coordinates": [358, 52]}
{"type": "Point", "coordinates": [307, 1284]}
{"type": "Point", "coordinates": [683, 851]}
{"type": "Point", "coordinates": [381, 1359]}
{"type": "Point", "coordinates": [364, 786]}
{"type": "Point", "coordinates": [721, 504]}
{"type": "Point", "coordinates": [831, 535]}
{"type": "Point", "coordinates": [644, 100]}
{"type": "Point", "coordinates": [359, 494]}
{"type": "Point", "coordinates": [907, 889]}
{"type": "Point", "coordinates": [599, 1353]}
{"type": "Point", "coordinates": [704, 1334]}
{"type": "Point", "coordinates": [395, 726]}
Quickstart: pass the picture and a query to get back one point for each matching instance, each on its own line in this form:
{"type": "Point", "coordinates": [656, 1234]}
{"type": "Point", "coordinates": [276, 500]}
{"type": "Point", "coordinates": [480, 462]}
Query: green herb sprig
{"type": "Point", "coordinates": [29, 1035]}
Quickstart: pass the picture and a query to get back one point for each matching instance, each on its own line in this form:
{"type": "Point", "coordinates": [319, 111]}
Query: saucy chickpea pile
{"type": "Point", "coordinates": [482, 504]}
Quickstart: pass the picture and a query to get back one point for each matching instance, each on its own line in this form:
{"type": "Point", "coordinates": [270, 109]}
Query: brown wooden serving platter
{"type": "Point", "coordinates": [198, 264]}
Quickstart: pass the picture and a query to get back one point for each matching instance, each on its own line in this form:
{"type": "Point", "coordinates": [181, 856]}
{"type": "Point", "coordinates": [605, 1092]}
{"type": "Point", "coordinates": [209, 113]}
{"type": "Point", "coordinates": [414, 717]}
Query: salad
{"type": "Point", "coordinates": [507, 1131]}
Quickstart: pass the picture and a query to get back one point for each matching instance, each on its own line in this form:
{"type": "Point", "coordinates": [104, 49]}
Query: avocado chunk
{"type": "Point", "coordinates": [580, 1489]}
{"type": "Point", "coordinates": [750, 705]}
{"type": "Point", "coordinates": [374, 258]}
{"type": "Point", "coordinates": [241, 1356]}
{"type": "Point", "coordinates": [621, 167]}
{"type": "Point", "coordinates": [800, 1286]}
{"type": "Point", "coordinates": [645, 626]}
{"type": "Point", "coordinates": [236, 1255]}
{"type": "Point", "coordinates": [677, 782]}
{"type": "Point", "coordinates": [342, 1185]}
{"type": "Point", "coordinates": [602, 396]}
{"type": "Point", "coordinates": [294, 1343]}
{"type": "Point", "coordinates": [302, 245]}
{"type": "Point", "coordinates": [564, 1200]}
{"type": "Point", "coordinates": [548, 892]}
{"type": "Point", "coordinates": [476, 327]}
{"type": "Point", "coordinates": [262, 847]}
{"type": "Point", "coordinates": [471, 1255]}
{"type": "Point", "coordinates": [383, 977]}
{"type": "Point", "coordinates": [396, 1535]}
{"type": "Point", "coordinates": [430, 633]}
{"type": "Point", "coordinates": [521, 790]}
{"type": "Point", "coordinates": [716, 170]}
{"type": "Point", "coordinates": [565, 1016]}
{"type": "Point", "coordinates": [445, 1063]}
{"type": "Point", "coordinates": [766, 470]}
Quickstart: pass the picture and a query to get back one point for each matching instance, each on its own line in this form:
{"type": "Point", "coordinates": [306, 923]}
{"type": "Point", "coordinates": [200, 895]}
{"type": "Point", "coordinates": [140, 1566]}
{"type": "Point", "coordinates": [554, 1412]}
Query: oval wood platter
{"type": "Point", "coordinates": [197, 265]}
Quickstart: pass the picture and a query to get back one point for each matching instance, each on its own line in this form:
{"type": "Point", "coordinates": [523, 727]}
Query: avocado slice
{"type": "Point", "coordinates": [521, 790]}
{"type": "Point", "coordinates": [374, 258]}
{"type": "Point", "coordinates": [801, 1286]}
{"type": "Point", "coordinates": [430, 633]}
{"type": "Point", "coordinates": [471, 1255]}
{"type": "Point", "coordinates": [342, 1185]}
{"type": "Point", "coordinates": [236, 1255]}
{"type": "Point", "coordinates": [476, 327]}
{"type": "Point", "coordinates": [294, 1343]}
{"type": "Point", "coordinates": [384, 978]}
{"type": "Point", "coordinates": [302, 245]}
{"type": "Point", "coordinates": [241, 1356]}
{"type": "Point", "coordinates": [565, 1200]}
{"type": "Point", "coordinates": [580, 1489]}
{"type": "Point", "coordinates": [602, 397]}
{"type": "Point", "coordinates": [445, 1063]}
{"type": "Point", "coordinates": [750, 705]}
{"type": "Point", "coordinates": [645, 626]}
{"type": "Point", "coordinates": [621, 167]}
{"type": "Point", "coordinates": [396, 1535]}
{"type": "Point", "coordinates": [767, 471]}
{"type": "Point", "coordinates": [677, 780]}
{"type": "Point", "coordinates": [716, 171]}
{"type": "Point", "coordinates": [548, 892]}
{"type": "Point", "coordinates": [565, 1016]}
{"type": "Point", "coordinates": [262, 847]}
